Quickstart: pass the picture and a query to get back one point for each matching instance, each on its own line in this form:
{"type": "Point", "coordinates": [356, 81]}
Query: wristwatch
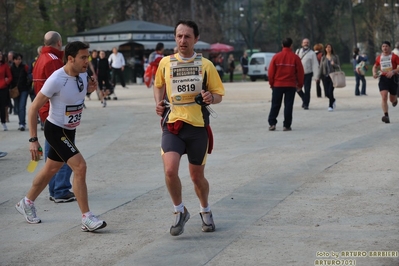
{"type": "Point", "coordinates": [34, 139]}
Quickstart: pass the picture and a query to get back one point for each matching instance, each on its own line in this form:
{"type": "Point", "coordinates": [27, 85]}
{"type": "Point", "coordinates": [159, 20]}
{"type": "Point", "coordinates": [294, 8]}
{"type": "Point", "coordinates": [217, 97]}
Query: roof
{"type": "Point", "coordinates": [128, 26]}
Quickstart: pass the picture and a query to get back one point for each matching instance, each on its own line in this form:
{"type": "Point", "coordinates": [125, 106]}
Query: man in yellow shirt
{"type": "Point", "coordinates": [185, 84]}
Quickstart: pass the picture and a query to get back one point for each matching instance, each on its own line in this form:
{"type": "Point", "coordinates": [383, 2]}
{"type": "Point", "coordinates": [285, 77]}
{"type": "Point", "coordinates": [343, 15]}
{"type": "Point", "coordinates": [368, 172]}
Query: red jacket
{"type": "Point", "coordinates": [5, 72]}
{"type": "Point", "coordinates": [50, 60]}
{"type": "Point", "coordinates": [286, 70]}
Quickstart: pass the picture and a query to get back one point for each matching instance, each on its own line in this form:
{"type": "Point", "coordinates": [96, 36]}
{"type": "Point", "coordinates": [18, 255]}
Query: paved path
{"type": "Point", "coordinates": [278, 198]}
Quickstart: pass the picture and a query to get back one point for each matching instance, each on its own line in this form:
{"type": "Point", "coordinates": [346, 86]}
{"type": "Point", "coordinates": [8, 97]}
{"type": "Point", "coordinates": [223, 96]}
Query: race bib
{"type": "Point", "coordinates": [386, 63]}
{"type": "Point", "coordinates": [186, 80]}
{"type": "Point", "coordinates": [73, 114]}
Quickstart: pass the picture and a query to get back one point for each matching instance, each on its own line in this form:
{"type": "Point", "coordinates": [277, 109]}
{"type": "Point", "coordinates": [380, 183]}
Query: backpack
{"type": "Point", "coordinates": [149, 75]}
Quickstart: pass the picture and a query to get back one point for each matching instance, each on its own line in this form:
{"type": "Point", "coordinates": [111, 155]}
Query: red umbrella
{"type": "Point", "coordinates": [221, 48]}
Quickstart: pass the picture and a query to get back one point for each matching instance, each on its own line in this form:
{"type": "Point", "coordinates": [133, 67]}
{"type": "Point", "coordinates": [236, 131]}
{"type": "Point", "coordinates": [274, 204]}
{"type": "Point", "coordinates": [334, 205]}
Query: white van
{"type": "Point", "coordinates": [258, 65]}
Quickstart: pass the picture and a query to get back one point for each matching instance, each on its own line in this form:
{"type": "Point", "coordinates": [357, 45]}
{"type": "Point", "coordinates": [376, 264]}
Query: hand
{"type": "Point", "coordinates": [160, 108]}
{"type": "Point", "coordinates": [207, 97]}
{"type": "Point", "coordinates": [390, 74]}
{"type": "Point", "coordinates": [92, 85]}
{"type": "Point", "coordinates": [35, 151]}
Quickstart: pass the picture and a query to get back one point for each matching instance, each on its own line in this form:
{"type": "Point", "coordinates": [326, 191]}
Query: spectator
{"type": "Point", "coordinates": [117, 63]}
{"type": "Point", "coordinates": [359, 76]}
{"type": "Point", "coordinates": [311, 68]}
{"type": "Point", "coordinates": [232, 66]}
{"type": "Point", "coordinates": [19, 73]}
{"type": "Point", "coordinates": [286, 76]}
{"type": "Point", "coordinates": [318, 49]}
{"type": "Point", "coordinates": [329, 63]}
{"type": "Point", "coordinates": [244, 66]}
{"type": "Point", "coordinates": [5, 80]}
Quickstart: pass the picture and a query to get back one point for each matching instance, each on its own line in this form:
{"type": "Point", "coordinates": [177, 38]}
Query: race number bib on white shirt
{"type": "Point", "coordinates": [73, 113]}
{"type": "Point", "coordinates": [386, 63]}
{"type": "Point", "coordinates": [66, 98]}
{"type": "Point", "coordinates": [186, 80]}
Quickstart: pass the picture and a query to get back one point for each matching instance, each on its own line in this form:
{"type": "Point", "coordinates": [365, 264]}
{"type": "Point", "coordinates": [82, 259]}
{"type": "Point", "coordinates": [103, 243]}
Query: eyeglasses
{"type": "Point", "coordinates": [80, 84]}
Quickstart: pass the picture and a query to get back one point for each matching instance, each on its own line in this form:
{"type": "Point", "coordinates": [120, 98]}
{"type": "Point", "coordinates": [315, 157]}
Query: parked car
{"type": "Point", "coordinates": [258, 64]}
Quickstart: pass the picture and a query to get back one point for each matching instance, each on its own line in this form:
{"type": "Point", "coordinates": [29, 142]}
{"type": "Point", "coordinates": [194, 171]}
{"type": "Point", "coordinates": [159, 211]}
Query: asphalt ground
{"type": "Point", "coordinates": [325, 192]}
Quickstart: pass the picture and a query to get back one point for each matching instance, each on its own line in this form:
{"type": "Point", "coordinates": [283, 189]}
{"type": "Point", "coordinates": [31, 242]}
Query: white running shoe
{"type": "Point", "coordinates": [28, 211]}
{"type": "Point", "coordinates": [92, 223]}
{"type": "Point", "coordinates": [330, 109]}
{"type": "Point", "coordinates": [5, 127]}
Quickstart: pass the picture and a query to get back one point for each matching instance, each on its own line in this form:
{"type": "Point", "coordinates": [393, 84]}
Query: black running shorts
{"type": "Point", "coordinates": [61, 142]}
{"type": "Point", "coordinates": [390, 85]}
{"type": "Point", "coordinates": [191, 140]}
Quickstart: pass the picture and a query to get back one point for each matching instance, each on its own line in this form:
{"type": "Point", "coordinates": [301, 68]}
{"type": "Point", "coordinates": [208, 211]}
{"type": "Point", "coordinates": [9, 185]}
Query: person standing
{"type": "Point", "coordinates": [396, 50]}
{"type": "Point", "coordinates": [93, 67]}
{"type": "Point", "coordinates": [244, 66]}
{"type": "Point", "coordinates": [49, 61]}
{"type": "Point", "coordinates": [329, 63]}
{"type": "Point", "coordinates": [231, 66]}
{"type": "Point", "coordinates": [286, 76]}
{"type": "Point", "coordinates": [103, 78]}
{"type": "Point", "coordinates": [185, 120]}
{"type": "Point", "coordinates": [5, 80]}
{"type": "Point", "coordinates": [387, 63]}
{"type": "Point", "coordinates": [311, 68]}
{"type": "Point", "coordinates": [117, 63]}
{"type": "Point", "coordinates": [318, 49]}
{"type": "Point", "coordinates": [65, 89]}
{"type": "Point", "coordinates": [19, 73]}
{"type": "Point", "coordinates": [357, 59]}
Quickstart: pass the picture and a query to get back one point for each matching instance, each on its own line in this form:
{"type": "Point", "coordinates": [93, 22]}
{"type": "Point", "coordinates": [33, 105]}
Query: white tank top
{"type": "Point", "coordinates": [67, 96]}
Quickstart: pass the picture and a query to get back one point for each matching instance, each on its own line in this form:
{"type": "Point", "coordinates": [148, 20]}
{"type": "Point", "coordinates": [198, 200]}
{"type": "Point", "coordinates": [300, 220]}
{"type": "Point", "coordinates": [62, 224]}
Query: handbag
{"type": "Point", "coordinates": [338, 79]}
{"type": "Point", "coordinates": [14, 92]}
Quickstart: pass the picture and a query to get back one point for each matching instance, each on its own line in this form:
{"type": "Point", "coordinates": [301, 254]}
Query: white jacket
{"type": "Point", "coordinates": [309, 62]}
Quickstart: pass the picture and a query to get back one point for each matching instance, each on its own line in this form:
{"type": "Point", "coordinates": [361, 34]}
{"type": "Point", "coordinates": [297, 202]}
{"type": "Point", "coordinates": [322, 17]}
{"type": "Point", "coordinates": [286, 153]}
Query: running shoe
{"type": "Point", "coordinates": [180, 220]}
{"type": "Point", "coordinates": [5, 127]}
{"type": "Point", "coordinates": [287, 129]}
{"type": "Point", "coordinates": [208, 224]}
{"type": "Point", "coordinates": [395, 103]}
{"type": "Point", "coordinates": [92, 223]}
{"type": "Point", "coordinates": [272, 128]}
{"type": "Point", "coordinates": [3, 154]}
{"type": "Point", "coordinates": [385, 119]}
{"type": "Point", "coordinates": [330, 109]}
{"type": "Point", "coordinates": [28, 211]}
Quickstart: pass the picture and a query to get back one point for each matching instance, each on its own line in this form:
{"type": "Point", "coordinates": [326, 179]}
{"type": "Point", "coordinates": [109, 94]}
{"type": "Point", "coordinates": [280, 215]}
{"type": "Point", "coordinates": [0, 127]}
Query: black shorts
{"type": "Point", "coordinates": [61, 142]}
{"type": "Point", "coordinates": [389, 84]}
{"type": "Point", "coordinates": [245, 70]}
{"type": "Point", "coordinates": [190, 139]}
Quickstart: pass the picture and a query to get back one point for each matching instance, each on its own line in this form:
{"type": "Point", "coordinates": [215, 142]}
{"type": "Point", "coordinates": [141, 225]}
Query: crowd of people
{"type": "Point", "coordinates": [289, 71]}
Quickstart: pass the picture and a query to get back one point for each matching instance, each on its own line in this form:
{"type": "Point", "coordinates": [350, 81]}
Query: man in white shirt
{"type": "Point", "coordinates": [311, 68]}
{"type": "Point", "coordinates": [117, 63]}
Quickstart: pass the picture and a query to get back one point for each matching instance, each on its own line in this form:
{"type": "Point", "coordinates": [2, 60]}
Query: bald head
{"type": "Point", "coordinates": [53, 39]}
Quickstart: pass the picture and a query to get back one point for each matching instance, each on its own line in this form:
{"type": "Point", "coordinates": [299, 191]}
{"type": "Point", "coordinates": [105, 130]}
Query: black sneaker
{"type": "Point", "coordinates": [51, 198]}
{"type": "Point", "coordinates": [385, 119]}
{"type": "Point", "coordinates": [181, 218]}
{"type": "Point", "coordinates": [272, 128]}
{"type": "Point", "coordinates": [70, 196]}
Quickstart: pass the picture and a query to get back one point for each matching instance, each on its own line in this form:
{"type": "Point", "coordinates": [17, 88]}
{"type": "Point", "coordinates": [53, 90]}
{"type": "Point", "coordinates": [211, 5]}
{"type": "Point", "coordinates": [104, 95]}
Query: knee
{"type": "Point", "coordinates": [80, 169]}
{"type": "Point", "coordinates": [171, 173]}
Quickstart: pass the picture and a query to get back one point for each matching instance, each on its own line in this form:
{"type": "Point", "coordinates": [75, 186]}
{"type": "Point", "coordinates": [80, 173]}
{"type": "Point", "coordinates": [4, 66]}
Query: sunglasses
{"type": "Point", "coordinates": [80, 84]}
